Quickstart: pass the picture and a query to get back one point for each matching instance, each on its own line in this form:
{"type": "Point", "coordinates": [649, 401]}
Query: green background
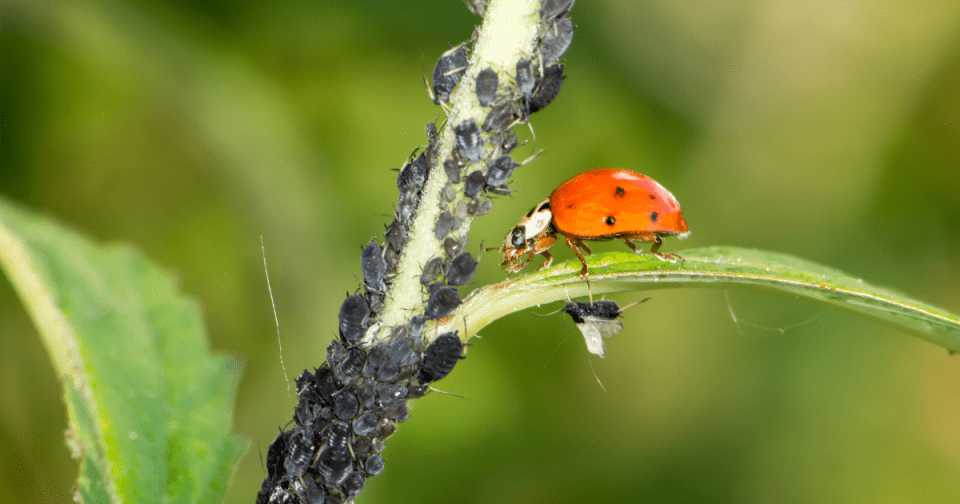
{"type": "Point", "coordinates": [826, 130]}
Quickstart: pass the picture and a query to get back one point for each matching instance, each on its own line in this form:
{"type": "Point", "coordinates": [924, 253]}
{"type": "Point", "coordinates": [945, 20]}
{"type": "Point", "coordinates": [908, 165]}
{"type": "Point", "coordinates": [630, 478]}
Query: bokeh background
{"type": "Point", "coordinates": [827, 130]}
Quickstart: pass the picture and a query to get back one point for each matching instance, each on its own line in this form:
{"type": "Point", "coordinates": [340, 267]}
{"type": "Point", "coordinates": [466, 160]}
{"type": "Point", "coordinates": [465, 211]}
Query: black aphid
{"type": "Point", "coordinates": [374, 465]}
{"type": "Point", "coordinates": [401, 352]}
{"type": "Point", "coordinates": [557, 40]}
{"type": "Point", "coordinates": [335, 353]}
{"type": "Point", "coordinates": [550, 9]}
{"type": "Point", "coordinates": [483, 208]}
{"type": "Point", "coordinates": [452, 247]}
{"type": "Point", "coordinates": [547, 88]}
{"type": "Point", "coordinates": [433, 288]}
{"type": "Point", "coordinates": [353, 485]}
{"type": "Point", "coordinates": [375, 359]}
{"type": "Point", "coordinates": [508, 143]}
{"type": "Point", "coordinates": [431, 270]}
{"type": "Point", "coordinates": [452, 170]}
{"type": "Point", "coordinates": [501, 117]}
{"type": "Point", "coordinates": [440, 358]}
{"type": "Point", "coordinates": [335, 460]}
{"type": "Point", "coordinates": [299, 453]}
{"type": "Point", "coordinates": [596, 321]}
{"type": "Point", "coordinates": [442, 303]}
{"type": "Point", "coordinates": [444, 225]}
{"type": "Point", "coordinates": [469, 143]}
{"type": "Point", "coordinates": [396, 411]}
{"type": "Point", "coordinates": [346, 406]}
{"type": "Point", "coordinates": [388, 372]}
{"type": "Point", "coordinates": [413, 175]}
{"type": "Point", "coordinates": [499, 171]}
{"type": "Point", "coordinates": [353, 363]}
{"type": "Point", "coordinates": [487, 82]}
{"type": "Point", "coordinates": [367, 393]}
{"type": "Point", "coordinates": [365, 423]}
{"type": "Point", "coordinates": [474, 183]}
{"type": "Point", "coordinates": [306, 380]}
{"type": "Point", "coordinates": [433, 143]}
{"type": "Point", "coordinates": [311, 492]}
{"type": "Point", "coordinates": [391, 393]}
{"type": "Point", "coordinates": [417, 324]}
{"type": "Point", "coordinates": [525, 78]}
{"type": "Point", "coordinates": [461, 269]}
{"type": "Point", "coordinates": [275, 453]}
{"type": "Point", "coordinates": [395, 235]}
{"type": "Point", "coordinates": [447, 195]}
{"type": "Point", "coordinates": [327, 384]}
{"type": "Point", "coordinates": [354, 313]}
{"type": "Point", "coordinates": [406, 205]}
{"type": "Point", "coordinates": [447, 72]}
{"type": "Point", "coordinates": [372, 265]}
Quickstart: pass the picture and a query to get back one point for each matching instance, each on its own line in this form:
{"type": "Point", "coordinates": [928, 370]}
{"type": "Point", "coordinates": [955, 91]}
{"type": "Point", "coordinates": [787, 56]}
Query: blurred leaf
{"type": "Point", "coordinates": [149, 408]}
{"type": "Point", "coordinates": [721, 267]}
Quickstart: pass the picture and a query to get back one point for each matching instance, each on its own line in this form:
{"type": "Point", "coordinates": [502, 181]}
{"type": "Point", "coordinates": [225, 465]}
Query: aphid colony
{"type": "Point", "coordinates": [350, 404]}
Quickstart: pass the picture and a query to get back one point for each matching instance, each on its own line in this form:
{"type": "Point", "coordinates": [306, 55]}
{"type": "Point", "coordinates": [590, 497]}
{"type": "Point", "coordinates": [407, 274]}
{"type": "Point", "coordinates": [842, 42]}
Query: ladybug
{"type": "Point", "coordinates": [600, 204]}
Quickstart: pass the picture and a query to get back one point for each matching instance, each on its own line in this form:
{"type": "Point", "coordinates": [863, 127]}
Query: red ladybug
{"type": "Point", "coordinates": [600, 204]}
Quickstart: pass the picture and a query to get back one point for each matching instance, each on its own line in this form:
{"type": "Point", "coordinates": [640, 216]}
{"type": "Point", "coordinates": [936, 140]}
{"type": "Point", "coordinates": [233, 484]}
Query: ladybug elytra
{"type": "Point", "coordinates": [600, 204]}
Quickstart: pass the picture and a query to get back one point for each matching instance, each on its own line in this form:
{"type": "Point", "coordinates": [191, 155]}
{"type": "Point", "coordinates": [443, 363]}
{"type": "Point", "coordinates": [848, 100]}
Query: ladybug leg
{"type": "Point", "coordinates": [630, 244]}
{"type": "Point", "coordinates": [519, 266]}
{"type": "Point", "coordinates": [574, 243]}
{"type": "Point", "coordinates": [548, 262]}
{"type": "Point", "coordinates": [663, 257]}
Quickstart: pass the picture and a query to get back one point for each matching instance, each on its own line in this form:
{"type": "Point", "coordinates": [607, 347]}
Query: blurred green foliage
{"type": "Point", "coordinates": [829, 131]}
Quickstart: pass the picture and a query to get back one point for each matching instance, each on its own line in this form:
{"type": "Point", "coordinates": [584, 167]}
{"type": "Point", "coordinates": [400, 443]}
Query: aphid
{"type": "Point", "coordinates": [508, 143]}
{"type": "Point", "coordinates": [499, 170]}
{"type": "Point", "coordinates": [365, 423]}
{"type": "Point", "coordinates": [346, 406]}
{"type": "Point", "coordinates": [548, 87]}
{"type": "Point", "coordinates": [597, 321]}
{"type": "Point", "coordinates": [440, 358]}
{"type": "Point", "coordinates": [311, 493]}
{"type": "Point", "coordinates": [431, 270]}
{"type": "Point", "coordinates": [442, 303]}
{"type": "Point", "coordinates": [444, 225]}
{"type": "Point", "coordinates": [452, 246]}
{"type": "Point", "coordinates": [354, 313]}
{"type": "Point", "coordinates": [275, 454]}
{"type": "Point", "coordinates": [501, 116]}
{"type": "Point", "coordinates": [448, 195]}
{"type": "Point", "coordinates": [452, 170]}
{"type": "Point", "coordinates": [413, 175]}
{"type": "Point", "coordinates": [335, 459]}
{"type": "Point", "coordinates": [433, 143]}
{"type": "Point", "coordinates": [335, 353]}
{"type": "Point", "coordinates": [372, 266]}
{"type": "Point", "coordinates": [299, 453]}
{"type": "Point", "coordinates": [600, 204]}
{"type": "Point", "coordinates": [483, 208]}
{"type": "Point", "coordinates": [487, 82]}
{"type": "Point", "coordinates": [461, 269]}
{"type": "Point", "coordinates": [401, 352]}
{"type": "Point", "coordinates": [557, 40]}
{"type": "Point", "coordinates": [374, 465]}
{"type": "Point", "coordinates": [375, 359]}
{"type": "Point", "coordinates": [525, 78]}
{"type": "Point", "coordinates": [406, 205]}
{"type": "Point", "coordinates": [433, 288]}
{"type": "Point", "coordinates": [474, 183]}
{"type": "Point", "coordinates": [353, 485]}
{"type": "Point", "coordinates": [550, 9]}
{"type": "Point", "coordinates": [388, 372]}
{"type": "Point", "coordinates": [391, 393]}
{"type": "Point", "coordinates": [306, 380]}
{"type": "Point", "coordinates": [395, 235]}
{"type": "Point", "coordinates": [396, 411]}
{"type": "Point", "coordinates": [469, 143]}
{"type": "Point", "coordinates": [326, 384]}
{"type": "Point", "coordinates": [353, 364]}
{"type": "Point", "coordinates": [417, 324]}
{"type": "Point", "coordinates": [447, 72]}
{"type": "Point", "coordinates": [367, 393]}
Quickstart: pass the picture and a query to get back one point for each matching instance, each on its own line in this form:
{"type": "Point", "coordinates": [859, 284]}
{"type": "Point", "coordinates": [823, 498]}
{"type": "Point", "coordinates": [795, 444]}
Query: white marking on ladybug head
{"type": "Point", "coordinates": [539, 220]}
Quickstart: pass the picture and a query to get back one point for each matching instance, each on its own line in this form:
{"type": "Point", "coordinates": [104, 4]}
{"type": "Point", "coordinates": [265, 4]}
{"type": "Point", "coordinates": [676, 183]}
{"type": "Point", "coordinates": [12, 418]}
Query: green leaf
{"type": "Point", "coordinates": [718, 267]}
{"type": "Point", "coordinates": [149, 408]}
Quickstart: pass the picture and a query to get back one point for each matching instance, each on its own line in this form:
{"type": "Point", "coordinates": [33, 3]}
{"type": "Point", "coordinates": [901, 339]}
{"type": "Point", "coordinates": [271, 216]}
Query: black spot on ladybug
{"type": "Point", "coordinates": [653, 216]}
{"type": "Point", "coordinates": [610, 220]}
{"type": "Point", "coordinates": [620, 192]}
{"type": "Point", "coordinates": [652, 196]}
{"type": "Point", "coordinates": [571, 205]}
